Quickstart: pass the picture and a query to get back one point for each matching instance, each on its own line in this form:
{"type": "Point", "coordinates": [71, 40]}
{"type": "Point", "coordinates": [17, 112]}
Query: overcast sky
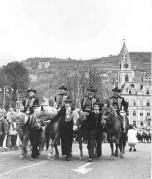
{"type": "Point", "coordinates": [80, 29]}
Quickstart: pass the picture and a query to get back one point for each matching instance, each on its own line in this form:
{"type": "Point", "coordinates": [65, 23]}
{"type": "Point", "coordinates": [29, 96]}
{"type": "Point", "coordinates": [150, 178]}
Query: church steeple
{"type": "Point", "coordinates": [125, 59]}
{"type": "Point", "coordinates": [126, 73]}
{"type": "Point", "coordinates": [124, 48]}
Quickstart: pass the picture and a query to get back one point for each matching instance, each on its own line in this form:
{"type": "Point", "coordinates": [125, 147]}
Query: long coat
{"type": "Point", "coordinates": [66, 131]}
{"type": "Point", "coordinates": [118, 102]}
{"type": "Point", "coordinates": [94, 123]}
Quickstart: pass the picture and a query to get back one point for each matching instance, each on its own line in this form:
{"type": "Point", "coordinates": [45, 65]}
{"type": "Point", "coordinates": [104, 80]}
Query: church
{"type": "Point", "coordinates": [136, 89]}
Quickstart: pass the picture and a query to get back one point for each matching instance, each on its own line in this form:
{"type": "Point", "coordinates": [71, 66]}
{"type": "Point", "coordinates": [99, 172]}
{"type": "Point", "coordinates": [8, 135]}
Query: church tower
{"type": "Point", "coordinates": [126, 73]}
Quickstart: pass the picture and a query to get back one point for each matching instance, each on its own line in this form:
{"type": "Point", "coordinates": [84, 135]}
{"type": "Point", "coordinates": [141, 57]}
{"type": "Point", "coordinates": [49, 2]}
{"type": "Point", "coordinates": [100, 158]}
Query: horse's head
{"type": "Point", "coordinates": [78, 116]}
{"type": "Point", "coordinates": [43, 114]}
{"type": "Point", "coordinates": [107, 116]}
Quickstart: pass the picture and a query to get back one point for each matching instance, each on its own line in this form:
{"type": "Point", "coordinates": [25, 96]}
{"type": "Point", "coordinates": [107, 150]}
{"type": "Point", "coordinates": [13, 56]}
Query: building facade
{"type": "Point", "coordinates": [136, 89]}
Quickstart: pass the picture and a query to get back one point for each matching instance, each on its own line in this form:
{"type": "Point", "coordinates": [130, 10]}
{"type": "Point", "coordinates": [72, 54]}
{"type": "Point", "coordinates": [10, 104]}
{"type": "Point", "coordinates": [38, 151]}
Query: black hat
{"type": "Point", "coordinates": [63, 87]}
{"type": "Point", "coordinates": [96, 103]}
{"type": "Point", "coordinates": [68, 101]}
{"type": "Point", "coordinates": [91, 90]}
{"type": "Point", "coordinates": [116, 89]}
{"type": "Point", "coordinates": [30, 89]}
{"type": "Point", "coordinates": [36, 105]}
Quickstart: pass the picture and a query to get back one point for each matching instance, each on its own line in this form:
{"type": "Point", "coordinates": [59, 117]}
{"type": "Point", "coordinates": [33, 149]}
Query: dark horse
{"type": "Point", "coordinates": [111, 121]}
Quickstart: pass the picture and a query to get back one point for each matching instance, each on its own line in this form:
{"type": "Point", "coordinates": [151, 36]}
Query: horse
{"type": "Point", "coordinates": [52, 128]}
{"type": "Point", "coordinates": [80, 128]}
{"type": "Point", "coordinates": [29, 128]}
{"type": "Point", "coordinates": [112, 123]}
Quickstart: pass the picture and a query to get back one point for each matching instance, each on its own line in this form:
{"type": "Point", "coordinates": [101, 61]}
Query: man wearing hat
{"type": "Point", "coordinates": [30, 102]}
{"type": "Point", "coordinates": [117, 101]}
{"type": "Point", "coordinates": [89, 100]}
{"type": "Point", "coordinates": [61, 97]}
{"type": "Point", "coordinates": [65, 115]}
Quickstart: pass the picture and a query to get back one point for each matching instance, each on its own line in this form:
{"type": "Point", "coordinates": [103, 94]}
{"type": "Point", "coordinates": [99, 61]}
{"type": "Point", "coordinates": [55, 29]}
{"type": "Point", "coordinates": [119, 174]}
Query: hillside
{"type": "Point", "coordinates": [46, 77]}
{"type": "Point", "coordinates": [139, 60]}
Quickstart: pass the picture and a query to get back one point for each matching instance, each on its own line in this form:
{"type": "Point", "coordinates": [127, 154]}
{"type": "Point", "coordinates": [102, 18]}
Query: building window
{"type": "Point", "coordinates": [148, 114]}
{"type": "Point", "coordinates": [126, 78]}
{"type": "Point", "coordinates": [141, 114]}
{"type": "Point", "coordinates": [129, 91]}
{"type": "Point", "coordinates": [141, 86]}
{"type": "Point", "coordinates": [134, 113]}
{"type": "Point", "coordinates": [134, 103]}
{"type": "Point", "coordinates": [141, 102]}
{"type": "Point", "coordinates": [141, 123]}
{"type": "Point", "coordinates": [134, 123]}
{"type": "Point", "coordinates": [148, 103]}
{"type": "Point", "coordinates": [147, 92]}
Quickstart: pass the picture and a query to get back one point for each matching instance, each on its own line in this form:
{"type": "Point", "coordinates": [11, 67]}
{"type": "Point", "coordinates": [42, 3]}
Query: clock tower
{"type": "Point", "coordinates": [126, 74]}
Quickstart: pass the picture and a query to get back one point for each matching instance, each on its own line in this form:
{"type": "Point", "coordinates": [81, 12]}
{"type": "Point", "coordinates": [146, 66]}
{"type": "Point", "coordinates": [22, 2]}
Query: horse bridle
{"type": "Point", "coordinates": [108, 118]}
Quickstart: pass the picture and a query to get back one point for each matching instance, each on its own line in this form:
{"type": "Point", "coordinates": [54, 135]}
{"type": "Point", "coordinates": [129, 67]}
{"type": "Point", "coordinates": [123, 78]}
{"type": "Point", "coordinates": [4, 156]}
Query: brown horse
{"type": "Point", "coordinates": [111, 121]}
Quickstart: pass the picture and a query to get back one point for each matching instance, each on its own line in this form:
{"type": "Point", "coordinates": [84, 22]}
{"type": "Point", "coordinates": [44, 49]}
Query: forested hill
{"type": "Point", "coordinates": [139, 60]}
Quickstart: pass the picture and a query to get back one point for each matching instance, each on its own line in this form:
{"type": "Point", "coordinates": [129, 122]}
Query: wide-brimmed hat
{"type": "Point", "coordinates": [116, 89]}
{"type": "Point", "coordinates": [96, 103]}
{"type": "Point", "coordinates": [68, 101]}
{"type": "Point", "coordinates": [36, 106]}
{"type": "Point", "coordinates": [63, 87]}
{"type": "Point", "coordinates": [31, 89]}
{"type": "Point", "coordinates": [91, 90]}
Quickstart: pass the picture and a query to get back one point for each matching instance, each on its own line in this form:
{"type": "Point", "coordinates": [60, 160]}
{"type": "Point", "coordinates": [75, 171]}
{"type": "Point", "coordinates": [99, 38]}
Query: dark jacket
{"type": "Point", "coordinates": [94, 121]}
{"type": "Point", "coordinates": [118, 102]}
{"type": "Point", "coordinates": [87, 108]}
{"type": "Point", "coordinates": [34, 102]}
{"type": "Point", "coordinates": [61, 114]}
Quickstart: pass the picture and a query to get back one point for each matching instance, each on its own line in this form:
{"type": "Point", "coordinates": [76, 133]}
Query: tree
{"type": "Point", "coordinates": [17, 77]}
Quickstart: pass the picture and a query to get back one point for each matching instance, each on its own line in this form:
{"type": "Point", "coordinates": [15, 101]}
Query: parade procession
{"type": "Point", "coordinates": [75, 89]}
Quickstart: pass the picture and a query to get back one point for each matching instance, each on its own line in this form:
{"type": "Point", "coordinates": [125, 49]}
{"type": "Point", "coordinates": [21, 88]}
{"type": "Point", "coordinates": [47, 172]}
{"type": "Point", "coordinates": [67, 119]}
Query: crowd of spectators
{"type": "Point", "coordinates": [9, 138]}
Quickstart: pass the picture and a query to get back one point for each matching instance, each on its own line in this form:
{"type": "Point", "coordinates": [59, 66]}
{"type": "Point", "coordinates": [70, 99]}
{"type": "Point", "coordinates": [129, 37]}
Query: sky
{"type": "Point", "coordinates": [79, 29]}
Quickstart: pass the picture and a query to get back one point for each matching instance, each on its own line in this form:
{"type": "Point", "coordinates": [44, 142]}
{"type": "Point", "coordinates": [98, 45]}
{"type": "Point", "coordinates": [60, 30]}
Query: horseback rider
{"type": "Point", "coordinates": [119, 103]}
{"type": "Point", "coordinates": [61, 97]}
{"type": "Point", "coordinates": [30, 102]}
{"type": "Point", "coordinates": [29, 105]}
{"type": "Point", "coordinates": [88, 101]}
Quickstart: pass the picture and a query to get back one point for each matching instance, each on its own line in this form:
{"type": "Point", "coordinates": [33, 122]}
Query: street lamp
{"type": "Point", "coordinates": [4, 90]}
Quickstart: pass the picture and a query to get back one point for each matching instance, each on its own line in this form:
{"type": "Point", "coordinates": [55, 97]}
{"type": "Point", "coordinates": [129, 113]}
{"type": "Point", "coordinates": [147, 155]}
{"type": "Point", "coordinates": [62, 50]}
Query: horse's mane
{"type": "Point", "coordinates": [45, 111]}
{"type": "Point", "coordinates": [113, 112]}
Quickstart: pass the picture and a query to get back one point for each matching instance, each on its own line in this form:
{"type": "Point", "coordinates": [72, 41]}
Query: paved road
{"type": "Point", "coordinates": [136, 165]}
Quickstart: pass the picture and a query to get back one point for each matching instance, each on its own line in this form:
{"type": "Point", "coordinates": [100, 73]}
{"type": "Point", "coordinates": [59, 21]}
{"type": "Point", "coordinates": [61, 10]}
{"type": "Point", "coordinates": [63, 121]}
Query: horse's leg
{"type": "Point", "coordinates": [112, 151]}
{"type": "Point", "coordinates": [56, 151]}
{"type": "Point", "coordinates": [50, 154]}
{"type": "Point", "coordinates": [80, 147]}
{"type": "Point", "coordinates": [55, 141]}
{"type": "Point", "coordinates": [24, 145]}
{"type": "Point", "coordinates": [79, 138]}
{"type": "Point", "coordinates": [117, 146]}
{"type": "Point", "coordinates": [121, 145]}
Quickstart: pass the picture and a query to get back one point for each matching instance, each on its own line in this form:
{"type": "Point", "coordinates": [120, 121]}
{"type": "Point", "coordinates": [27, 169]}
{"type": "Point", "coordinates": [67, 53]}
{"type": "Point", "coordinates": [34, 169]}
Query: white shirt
{"type": "Point", "coordinates": [132, 136]}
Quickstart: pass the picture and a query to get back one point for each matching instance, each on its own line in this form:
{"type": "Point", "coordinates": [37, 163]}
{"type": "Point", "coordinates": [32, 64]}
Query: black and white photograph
{"type": "Point", "coordinates": [75, 89]}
